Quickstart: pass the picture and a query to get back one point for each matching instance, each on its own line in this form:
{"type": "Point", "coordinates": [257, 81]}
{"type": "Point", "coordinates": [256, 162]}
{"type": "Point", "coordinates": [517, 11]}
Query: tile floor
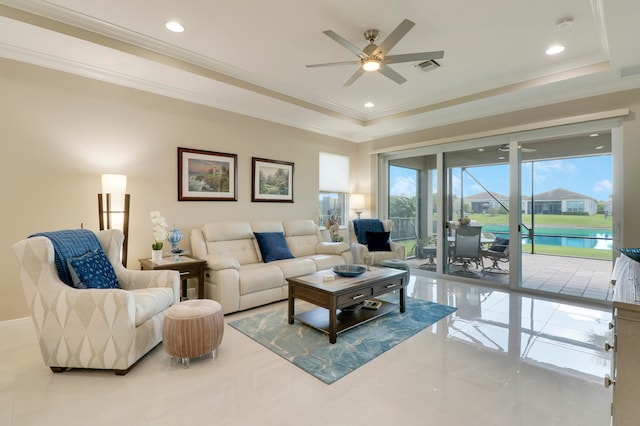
{"type": "Point", "coordinates": [569, 276]}
{"type": "Point", "coordinates": [502, 359]}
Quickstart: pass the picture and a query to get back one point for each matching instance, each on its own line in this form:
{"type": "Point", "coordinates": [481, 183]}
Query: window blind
{"type": "Point", "coordinates": [334, 173]}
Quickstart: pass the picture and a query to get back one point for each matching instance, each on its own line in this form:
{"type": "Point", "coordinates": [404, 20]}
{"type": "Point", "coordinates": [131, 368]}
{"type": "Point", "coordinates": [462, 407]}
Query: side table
{"type": "Point", "coordinates": [188, 267]}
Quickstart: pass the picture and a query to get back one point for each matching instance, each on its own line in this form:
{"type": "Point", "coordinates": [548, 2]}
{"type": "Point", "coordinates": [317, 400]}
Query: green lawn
{"type": "Point", "coordinates": [569, 251]}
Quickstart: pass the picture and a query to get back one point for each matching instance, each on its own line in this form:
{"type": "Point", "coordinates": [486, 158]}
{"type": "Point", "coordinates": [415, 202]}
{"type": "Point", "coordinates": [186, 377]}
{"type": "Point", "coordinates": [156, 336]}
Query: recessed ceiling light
{"type": "Point", "coordinates": [480, 149]}
{"type": "Point", "coordinates": [555, 49]}
{"type": "Point", "coordinates": [501, 158]}
{"type": "Point", "coordinates": [600, 147]}
{"type": "Point", "coordinates": [174, 26]}
{"type": "Point", "coordinates": [593, 135]}
{"type": "Point", "coordinates": [369, 105]}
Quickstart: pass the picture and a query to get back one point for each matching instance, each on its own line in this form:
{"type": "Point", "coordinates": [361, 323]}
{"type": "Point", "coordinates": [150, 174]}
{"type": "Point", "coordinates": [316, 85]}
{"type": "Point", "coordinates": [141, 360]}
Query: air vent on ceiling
{"type": "Point", "coordinates": [627, 71]}
{"type": "Point", "coordinates": [427, 65]}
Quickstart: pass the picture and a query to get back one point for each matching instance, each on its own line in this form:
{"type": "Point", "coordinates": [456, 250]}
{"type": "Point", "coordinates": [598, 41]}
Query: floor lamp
{"type": "Point", "coordinates": [356, 202]}
{"type": "Point", "coordinates": [113, 207]}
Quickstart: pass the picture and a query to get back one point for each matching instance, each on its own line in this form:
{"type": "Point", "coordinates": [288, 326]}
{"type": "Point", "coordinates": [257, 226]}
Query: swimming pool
{"type": "Point", "coordinates": [598, 239]}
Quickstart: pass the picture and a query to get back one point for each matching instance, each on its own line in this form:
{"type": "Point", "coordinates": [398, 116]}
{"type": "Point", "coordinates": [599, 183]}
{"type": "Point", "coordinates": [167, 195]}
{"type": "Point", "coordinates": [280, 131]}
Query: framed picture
{"type": "Point", "coordinates": [271, 180]}
{"type": "Point", "coordinates": [207, 176]}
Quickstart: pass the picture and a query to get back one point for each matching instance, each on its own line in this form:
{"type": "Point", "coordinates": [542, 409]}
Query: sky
{"type": "Point", "coordinates": [590, 176]}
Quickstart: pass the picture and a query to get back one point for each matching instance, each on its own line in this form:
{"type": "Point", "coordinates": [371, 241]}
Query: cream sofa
{"type": "Point", "coordinates": [236, 275]}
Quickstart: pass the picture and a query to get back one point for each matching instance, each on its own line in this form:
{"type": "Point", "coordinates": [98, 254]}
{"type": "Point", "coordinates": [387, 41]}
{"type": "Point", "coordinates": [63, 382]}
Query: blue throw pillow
{"type": "Point", "coordinates": [378, 241]}
{"type": "Point", "coordinates": [93, 270]}
{"type": "Point", "coordinates": [499, 245]}
{"type": "Point", "coordinates": [273, 246]}
{"type": "Point", "coordinates": [633, 253]}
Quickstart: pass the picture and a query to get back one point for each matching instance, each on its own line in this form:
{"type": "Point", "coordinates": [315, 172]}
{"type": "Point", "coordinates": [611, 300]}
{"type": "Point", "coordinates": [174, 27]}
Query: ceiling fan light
{"type": "Point", "coordinates": [371, 65]}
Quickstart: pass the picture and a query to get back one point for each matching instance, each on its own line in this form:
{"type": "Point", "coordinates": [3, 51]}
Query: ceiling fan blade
{"type": "Point", "coordinates": [414, 57]}
{"type": "Point", "coordinates": [345, 43]}
{"type": "Point", "coordinates": [330, 64]}
{"type": "Point", "coordinates": [393, 38]}
{"type": "Point", "coordinates": [388, 72]}
{"type": "Point", "coordinates": [356, 75]}
{"type": "Point", "coordinates": [505, 148]}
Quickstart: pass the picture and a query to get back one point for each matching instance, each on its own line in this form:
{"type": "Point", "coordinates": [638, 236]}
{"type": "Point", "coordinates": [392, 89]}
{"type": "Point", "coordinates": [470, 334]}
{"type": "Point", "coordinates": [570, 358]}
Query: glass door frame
{"type": "Point", "coordinates": [614, 125]}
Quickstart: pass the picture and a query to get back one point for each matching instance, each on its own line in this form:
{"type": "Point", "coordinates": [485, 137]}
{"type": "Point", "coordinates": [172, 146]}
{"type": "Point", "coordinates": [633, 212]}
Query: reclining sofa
{"type": "Point", "coordinates": [237, 274]}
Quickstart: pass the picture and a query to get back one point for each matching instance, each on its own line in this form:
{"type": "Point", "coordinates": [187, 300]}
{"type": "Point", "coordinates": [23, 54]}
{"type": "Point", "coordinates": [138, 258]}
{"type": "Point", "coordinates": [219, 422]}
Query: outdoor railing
{"type": "Point", "coordinates": [403, 228]}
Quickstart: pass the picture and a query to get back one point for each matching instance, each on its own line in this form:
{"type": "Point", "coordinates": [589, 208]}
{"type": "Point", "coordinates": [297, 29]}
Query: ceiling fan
{"type": "Point", "coordinates": [505, 148]}
{"type": "Point", "coordinates": [376, 58]}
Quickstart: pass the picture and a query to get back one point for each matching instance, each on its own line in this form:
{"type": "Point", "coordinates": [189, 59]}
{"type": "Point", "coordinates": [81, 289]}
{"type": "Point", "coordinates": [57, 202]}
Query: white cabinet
{"type": "Point", "coordinates": [625, 345]}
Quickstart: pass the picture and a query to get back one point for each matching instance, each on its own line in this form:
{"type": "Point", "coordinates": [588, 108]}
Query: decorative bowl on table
{"type": "Point", "coordinates": [349, 270]}
{"type": "Point", "coordinates": [633, 253]}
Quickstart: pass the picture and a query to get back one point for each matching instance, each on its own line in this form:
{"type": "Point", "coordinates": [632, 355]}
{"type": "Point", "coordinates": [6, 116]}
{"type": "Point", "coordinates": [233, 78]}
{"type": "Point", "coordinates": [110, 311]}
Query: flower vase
{"type": "Point", "coordinates": [156, 255]}
{"type": "Point", "coordinates": [174, 237]}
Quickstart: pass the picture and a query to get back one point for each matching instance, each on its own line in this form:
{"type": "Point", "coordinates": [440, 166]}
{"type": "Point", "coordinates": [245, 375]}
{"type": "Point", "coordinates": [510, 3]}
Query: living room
{"type": "Point", "coordinates": [62, 131]}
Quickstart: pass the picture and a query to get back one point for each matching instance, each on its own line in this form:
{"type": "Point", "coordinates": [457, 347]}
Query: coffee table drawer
{"type": "Point", "coordinates": [354, 297]}
{"type": "Point", "coordinates": [385, 288]}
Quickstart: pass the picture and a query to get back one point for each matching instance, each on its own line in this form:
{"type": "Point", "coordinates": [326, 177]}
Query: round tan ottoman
{"type": "Point", "coordinates": [193, 328]}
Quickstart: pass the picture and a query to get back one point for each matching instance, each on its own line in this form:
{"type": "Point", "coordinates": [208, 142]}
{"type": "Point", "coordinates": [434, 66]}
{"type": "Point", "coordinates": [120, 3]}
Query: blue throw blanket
{"type": "Point", "coordinates": [67, 244]}
{"type": "Point", "coordinates": [361, 226]}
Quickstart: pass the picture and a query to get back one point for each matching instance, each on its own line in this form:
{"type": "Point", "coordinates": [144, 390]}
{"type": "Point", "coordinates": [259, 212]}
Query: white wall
{"type": "Point", "coordinates": [60, 132]}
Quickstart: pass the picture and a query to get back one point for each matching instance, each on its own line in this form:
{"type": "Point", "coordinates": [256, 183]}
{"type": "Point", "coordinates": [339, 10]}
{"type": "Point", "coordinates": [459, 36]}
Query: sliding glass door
{"type": "Point", "coordinates": [541, 200]}
{"type": "Point", "coordinates": [567, 194]}
{"type": "Point", "coordinates": [477, 213]}
{"type": "Point", "coordinates": [413, 207]}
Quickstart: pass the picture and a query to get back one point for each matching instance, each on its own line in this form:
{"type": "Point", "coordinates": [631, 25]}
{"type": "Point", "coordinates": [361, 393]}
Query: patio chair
{"type": "Point", "coordinates": [467, 248]}
{"type": "Point", "coordinates": [498, 253]}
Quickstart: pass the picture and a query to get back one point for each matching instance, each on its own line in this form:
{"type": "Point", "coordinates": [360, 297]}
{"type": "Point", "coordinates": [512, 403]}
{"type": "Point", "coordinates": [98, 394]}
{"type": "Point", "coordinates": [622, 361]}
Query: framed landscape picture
{"type": "Point", "coordinates": [207, 176]}
{"type": "Point", "coordinates": [271, 180]}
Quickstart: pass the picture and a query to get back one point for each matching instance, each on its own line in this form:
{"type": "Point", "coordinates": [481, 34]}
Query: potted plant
{"type": "Point", "coordinates": [159, 235]}
{"type": "Point", "coordinates": [422, 244]}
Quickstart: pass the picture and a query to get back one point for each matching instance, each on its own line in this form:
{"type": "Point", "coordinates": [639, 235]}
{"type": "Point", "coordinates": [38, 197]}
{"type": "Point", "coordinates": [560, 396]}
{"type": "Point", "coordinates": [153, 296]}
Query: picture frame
{"type": "Point", "coordinates": [207, 175]}
{"type": "Point", "coordinates": [271, 181]}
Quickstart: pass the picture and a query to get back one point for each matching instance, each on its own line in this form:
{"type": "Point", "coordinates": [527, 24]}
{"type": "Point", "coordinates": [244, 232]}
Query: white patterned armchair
{"type": "Point", "coordinates": [94, 328]}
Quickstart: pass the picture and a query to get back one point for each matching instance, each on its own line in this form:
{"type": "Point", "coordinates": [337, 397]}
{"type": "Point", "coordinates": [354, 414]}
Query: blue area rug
{"type": "Point", "coordinates": [311, 351]}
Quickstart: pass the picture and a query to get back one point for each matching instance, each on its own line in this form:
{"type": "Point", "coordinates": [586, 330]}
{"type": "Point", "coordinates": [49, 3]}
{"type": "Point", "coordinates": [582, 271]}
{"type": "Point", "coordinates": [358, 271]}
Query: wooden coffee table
{"type": "Point", "coordinates": [333, 295]}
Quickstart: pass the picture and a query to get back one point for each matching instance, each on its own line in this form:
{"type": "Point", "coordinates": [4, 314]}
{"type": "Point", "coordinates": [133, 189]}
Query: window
{"type": "Point", "coordinates": [575, 206]}
{"type": "Point", "coordinates": [333, 187]}
{"type": "Point", "coordinates": [331, 204]}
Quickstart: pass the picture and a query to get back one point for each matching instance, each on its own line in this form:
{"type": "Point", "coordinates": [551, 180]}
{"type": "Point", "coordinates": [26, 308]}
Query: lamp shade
{"type": "Point", "coordinates": [356, 202]}
{"type": "Point", "coordinates": [113, 208]}
{"type": "Point", "coordinates": [116, 185]}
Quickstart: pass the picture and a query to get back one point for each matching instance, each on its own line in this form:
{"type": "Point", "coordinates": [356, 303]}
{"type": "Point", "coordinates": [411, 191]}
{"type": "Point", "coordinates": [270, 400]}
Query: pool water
{"type": "Point", "coordinates": [599, 239]}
